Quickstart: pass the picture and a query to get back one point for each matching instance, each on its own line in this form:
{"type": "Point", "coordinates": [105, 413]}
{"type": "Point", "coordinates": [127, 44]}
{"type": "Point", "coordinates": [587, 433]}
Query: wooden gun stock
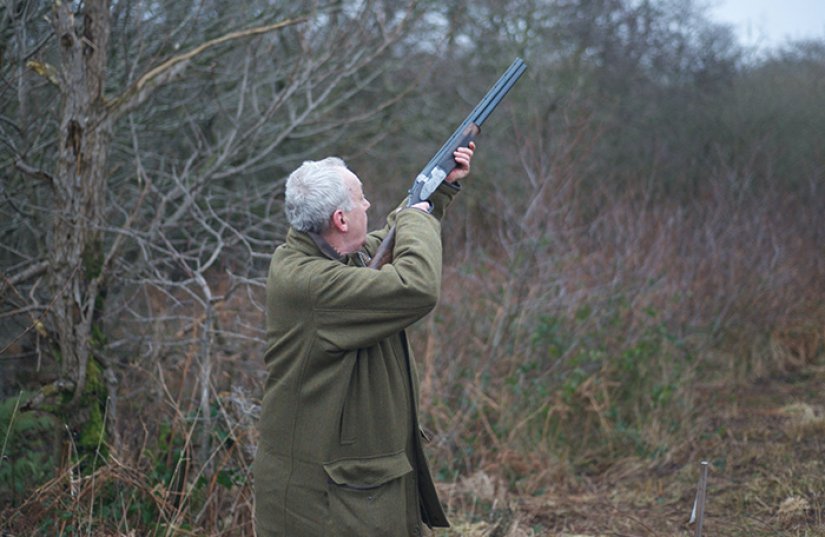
{"type": "Point", "coordinates": [383, 254]}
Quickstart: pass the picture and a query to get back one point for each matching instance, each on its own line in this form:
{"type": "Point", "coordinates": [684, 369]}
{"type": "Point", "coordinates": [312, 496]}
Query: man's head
{"type": "Point", "coordinates": [325, 197]}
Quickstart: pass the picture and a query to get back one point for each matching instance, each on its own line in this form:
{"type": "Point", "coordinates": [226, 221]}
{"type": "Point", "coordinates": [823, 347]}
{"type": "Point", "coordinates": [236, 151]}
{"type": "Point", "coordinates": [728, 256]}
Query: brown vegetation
{"type": "Point", "coordinates": [633, 279]}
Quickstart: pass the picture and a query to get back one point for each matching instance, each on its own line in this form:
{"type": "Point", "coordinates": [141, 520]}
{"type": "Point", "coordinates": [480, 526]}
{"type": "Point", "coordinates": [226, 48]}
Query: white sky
{"type": "Point", "coordinates": [769, 23]}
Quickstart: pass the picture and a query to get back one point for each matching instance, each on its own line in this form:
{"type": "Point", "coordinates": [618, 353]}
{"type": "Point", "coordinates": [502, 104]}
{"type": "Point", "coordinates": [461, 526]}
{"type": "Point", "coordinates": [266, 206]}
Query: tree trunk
{"type": "Point", "coordinates": [74, 242]}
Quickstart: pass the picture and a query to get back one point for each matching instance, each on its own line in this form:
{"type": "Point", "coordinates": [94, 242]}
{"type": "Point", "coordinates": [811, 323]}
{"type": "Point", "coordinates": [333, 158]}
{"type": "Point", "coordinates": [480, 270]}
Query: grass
{"type": "Point", "coordinates": [765, 445]}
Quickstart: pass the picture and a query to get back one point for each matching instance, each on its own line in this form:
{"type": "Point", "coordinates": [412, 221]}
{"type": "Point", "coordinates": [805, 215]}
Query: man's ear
{"type": "Point", "coordinates": [339, 221]}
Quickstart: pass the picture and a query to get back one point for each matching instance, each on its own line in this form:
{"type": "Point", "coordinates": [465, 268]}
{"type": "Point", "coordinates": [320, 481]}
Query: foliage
{"type": "Point", "coordinates": [639, 223]}
{"type": "Point", "coordinates": [163, 491]}
{"type": "Point", "coordinates": [29, 456]}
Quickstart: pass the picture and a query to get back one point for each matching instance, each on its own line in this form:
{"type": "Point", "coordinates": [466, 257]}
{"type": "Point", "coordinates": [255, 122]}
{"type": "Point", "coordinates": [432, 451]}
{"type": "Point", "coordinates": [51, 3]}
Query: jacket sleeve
{"type": "Point", "coordinates": [441, 199]}
{"type": "Point", "coordinates": [355, 307]}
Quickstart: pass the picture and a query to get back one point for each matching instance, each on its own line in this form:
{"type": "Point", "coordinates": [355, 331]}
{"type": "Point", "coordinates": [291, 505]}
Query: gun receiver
{"type": "Point", "coordinates": [443, 162]}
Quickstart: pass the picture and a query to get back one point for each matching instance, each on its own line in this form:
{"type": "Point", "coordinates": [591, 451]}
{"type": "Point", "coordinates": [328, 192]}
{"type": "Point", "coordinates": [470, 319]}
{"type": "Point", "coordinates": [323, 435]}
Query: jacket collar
{"type": "Point", "coordinates": [326, 248]}
{"type": "Point", "coordinates": [314, 244]}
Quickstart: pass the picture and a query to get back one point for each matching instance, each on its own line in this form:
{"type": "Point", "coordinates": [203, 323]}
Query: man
{"type": "Point", "coordinates": [340, 446]}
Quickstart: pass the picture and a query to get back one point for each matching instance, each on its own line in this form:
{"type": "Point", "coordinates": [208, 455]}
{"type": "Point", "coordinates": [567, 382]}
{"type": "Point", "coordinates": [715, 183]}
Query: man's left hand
{"type": "Point", "coordinates": [463, 156]}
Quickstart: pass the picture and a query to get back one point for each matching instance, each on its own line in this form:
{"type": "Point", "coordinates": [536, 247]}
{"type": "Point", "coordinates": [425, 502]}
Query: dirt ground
{"type": "Point", "coordinates": [765, 445]}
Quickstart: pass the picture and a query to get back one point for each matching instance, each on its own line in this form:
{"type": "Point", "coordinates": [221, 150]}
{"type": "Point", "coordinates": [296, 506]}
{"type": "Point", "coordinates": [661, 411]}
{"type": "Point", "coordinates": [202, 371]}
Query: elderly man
{"type": "Point", "coordinates": [340, 449]}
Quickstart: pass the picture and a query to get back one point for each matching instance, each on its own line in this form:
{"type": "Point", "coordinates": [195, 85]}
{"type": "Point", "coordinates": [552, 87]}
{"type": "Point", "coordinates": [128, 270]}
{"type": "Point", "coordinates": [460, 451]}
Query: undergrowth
{"type": "Point", "coordinates": [593, 356]}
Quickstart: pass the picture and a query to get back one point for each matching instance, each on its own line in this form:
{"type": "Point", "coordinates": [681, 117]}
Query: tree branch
{"type": "Point", "coordinates": [45, 70]}
{"type": "Point", "coordinates": [142, 89]}
{"type": "Point", "coordinates": [37, 173]}
{"type": "Point", "coordinates": [49, 390]}
{"type": "Point", "coordinates": [35, 270]}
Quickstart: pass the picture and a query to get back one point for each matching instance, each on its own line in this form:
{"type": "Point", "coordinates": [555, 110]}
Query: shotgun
{"type": "Point", "coordinates": [443, 162]}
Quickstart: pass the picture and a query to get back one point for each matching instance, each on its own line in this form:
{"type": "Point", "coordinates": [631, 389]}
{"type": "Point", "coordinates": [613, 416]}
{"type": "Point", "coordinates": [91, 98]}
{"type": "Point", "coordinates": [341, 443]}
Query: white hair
{"type": "Point", "coordinates": [314, 191]}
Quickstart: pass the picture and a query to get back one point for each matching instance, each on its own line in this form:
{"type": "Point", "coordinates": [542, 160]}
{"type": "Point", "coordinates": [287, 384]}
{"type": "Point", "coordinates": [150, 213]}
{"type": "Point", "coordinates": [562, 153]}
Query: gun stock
{"type": "Point", "coordinates": [383, 254]}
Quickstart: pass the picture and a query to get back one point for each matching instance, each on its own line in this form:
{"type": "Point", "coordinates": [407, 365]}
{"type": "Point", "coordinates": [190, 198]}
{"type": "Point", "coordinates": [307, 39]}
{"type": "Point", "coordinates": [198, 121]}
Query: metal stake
{"type": "Point", "coordinates": [698, 513]}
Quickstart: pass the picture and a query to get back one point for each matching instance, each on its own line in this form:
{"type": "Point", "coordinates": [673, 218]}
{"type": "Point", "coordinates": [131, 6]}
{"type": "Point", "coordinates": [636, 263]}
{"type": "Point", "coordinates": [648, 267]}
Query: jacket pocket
{"type": "Point", "coordinates": [367, 496]}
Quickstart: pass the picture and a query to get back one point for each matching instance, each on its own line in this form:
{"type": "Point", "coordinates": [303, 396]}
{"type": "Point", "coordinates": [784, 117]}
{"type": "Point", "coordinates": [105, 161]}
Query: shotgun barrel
{"type": "Point", "coordinates": [443, 162]}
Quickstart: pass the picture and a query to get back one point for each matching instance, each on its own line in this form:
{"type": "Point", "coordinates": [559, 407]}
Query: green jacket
{"type": "Point", "coordinates": [340, 446]}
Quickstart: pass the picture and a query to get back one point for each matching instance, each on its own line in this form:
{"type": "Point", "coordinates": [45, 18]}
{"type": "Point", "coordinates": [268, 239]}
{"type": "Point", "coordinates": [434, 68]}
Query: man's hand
{"type": "Point", "coordinates": [463, 156]}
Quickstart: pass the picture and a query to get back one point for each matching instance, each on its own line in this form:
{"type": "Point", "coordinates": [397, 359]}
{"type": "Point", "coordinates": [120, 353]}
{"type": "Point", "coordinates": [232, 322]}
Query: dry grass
{"type": "Point", "coordinates": [585, 356]}
{"type": "Point", "coordinates": [601, 356]}
{"type": "Point", "coordinates": [766, 446]}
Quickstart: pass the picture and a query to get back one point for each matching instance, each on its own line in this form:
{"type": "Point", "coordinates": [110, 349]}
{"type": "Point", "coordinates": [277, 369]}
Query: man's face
{"type": "Point", "coordinates": [356, 219]}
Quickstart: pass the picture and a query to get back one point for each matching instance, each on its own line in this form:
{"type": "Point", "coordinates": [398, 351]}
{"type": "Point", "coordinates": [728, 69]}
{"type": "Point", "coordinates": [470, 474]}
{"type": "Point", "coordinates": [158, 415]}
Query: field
{"type": "Point", "coordinates": [765, 443]}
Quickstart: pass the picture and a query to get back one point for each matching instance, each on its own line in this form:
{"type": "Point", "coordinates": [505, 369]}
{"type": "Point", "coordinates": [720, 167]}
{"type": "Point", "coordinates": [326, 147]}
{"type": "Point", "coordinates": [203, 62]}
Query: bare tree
{"type": "Point", "coordinates": [148, 141]}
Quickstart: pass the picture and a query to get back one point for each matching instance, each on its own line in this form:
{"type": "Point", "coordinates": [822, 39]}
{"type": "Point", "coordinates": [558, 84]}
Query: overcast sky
{"type": "Point", "coordinates": [768, 23]}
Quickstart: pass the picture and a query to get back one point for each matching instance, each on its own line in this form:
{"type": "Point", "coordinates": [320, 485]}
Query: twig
{"type": "Point", "coordinates": [37, 173]}
{"type": "Point", "coordinates": [138, 92]}
{"type": "Point", "coordinates": [8, 429]}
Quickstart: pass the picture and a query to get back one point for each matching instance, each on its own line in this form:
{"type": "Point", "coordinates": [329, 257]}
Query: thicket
{"type": "Point", "coordinates": [643, 214]}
